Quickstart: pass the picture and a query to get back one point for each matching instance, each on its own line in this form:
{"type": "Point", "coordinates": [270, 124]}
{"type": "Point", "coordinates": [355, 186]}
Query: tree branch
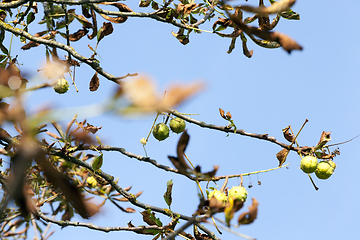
{"type": "Point", "coordinates": [127, 195]}
{"type": "Point", "coordinates": [53, 43]}
{"type": "Point", "coordinates": [231, 130]}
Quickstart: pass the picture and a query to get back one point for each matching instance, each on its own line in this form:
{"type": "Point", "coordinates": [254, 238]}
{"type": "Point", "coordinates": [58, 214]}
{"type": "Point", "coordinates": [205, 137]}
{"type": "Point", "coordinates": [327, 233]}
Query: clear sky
{"type": "Point", "coordinates": [264, 95]}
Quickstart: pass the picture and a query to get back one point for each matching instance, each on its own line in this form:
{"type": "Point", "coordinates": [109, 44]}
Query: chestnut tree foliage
{"type": "Point", "coordinates": [49, 172]}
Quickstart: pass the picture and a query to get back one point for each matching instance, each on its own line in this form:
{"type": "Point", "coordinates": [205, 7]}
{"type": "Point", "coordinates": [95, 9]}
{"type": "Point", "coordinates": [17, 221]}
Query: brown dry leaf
{"type": "Point", "coordinates": [211, 174]}
{"type": "Point", "coordinates": [224, 22]}
{"type": "Point", "coordinates": [130, 224]}
{"type": "Point", "coordinates": [149, 217]}
{"type": "Point", "coordinates": [145, 98]}
{"type": "Point", "coordinates": [91, 128]}
{"type": "Point", "coordinates": [228, 116]}
{"type": "Point", "coordinates": [85, 11]}
{"type": "Point", "coordinates": [122, 8]}
{"type": "Point", "coordinates": [144, 3]}
{"type": "Point", "coordinates": [53, 135]}
{"type": "Point", "coordinates": [32, 44]}
{"type": "Point", "coordinates": [84, 21]}
{"type": "Point", "coordinates": [287, 43]}
{"type": "Point", "coordinates": [287, 134]}
{"type": "Point", "coordinates": [94, 24]}
{"type": "Point", "coordinates": [186, 8]}
{"type": "Point", "coordinates": [94, 83]}
{"type": "Point", "coordinates": [105, 30]}
{"type": "Point", "coordinates": [184, 39]}
{"type": "Point", "coordinates": [276, 7]}
{"type": "Point", "coordinates": [281, 156]}
{"type": "Point", "coordinates": [78, 35]}
{"type": "Point", "coordinates": [179, 162]}
{"type": "Point", "coordinates": [222, 113]}
{"type": "Point", "coordinates": [325, 138]}
{"type": "Point", "coordinates": [250, 216]}
{"type": "Point", "coordinates": [114, 19]}
{"type": "Point", "coordinates": [67, 214]}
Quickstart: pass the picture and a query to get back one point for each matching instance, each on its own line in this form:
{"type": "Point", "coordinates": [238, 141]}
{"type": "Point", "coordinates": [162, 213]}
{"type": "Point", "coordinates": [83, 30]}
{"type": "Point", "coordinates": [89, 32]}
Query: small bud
{"type": "Point", "coordinates": [143, 141]}
{"type": "Point", "coordinates": [62, 86]}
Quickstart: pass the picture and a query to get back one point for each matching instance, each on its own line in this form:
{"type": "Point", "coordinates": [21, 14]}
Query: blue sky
{"type": "Point", "coordinates": [264, 95]}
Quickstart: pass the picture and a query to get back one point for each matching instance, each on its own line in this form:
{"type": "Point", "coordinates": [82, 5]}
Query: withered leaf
{"type": "Point", "coordinates": [114, 19]}
{"type": "Point", "coordinates": [149, 218]}
{"type": "Point", "coordinates": [179, 162]}
{"type": "Point", "coordinates": [144, 3]}
{"type": "Point", "coordinates": [123, 199]}
{"type": "Point", "coordinates": [222, 113]}
{"type": "Point", "coordinates": [67, 214]}
{"type": "Point", "coordinates": [53, 135]}
{"type": "Point", "coordinates": [281, 156]}
{"type": "Point", "coordinates": [185, 8]}
{"type": "Point", "coordinates": [130, 224]}
{"type": "Point", "coordinates": [127, 210]}
{"type": "Point", "coordinates": [32, 44]}
{"type": "Point", "coordinates": [223, 22]}
{"type": "Point", "coordinates": [184, 39]}
{"type": "Point", "coordinates": [122, 8]}
{"type": "Point", "coordinates": [228, 116]}
{"type": "Point", "coordinates": [85, 11]}
{"type": "Point", "coordinates": [94, 83]}
{"type": "Point", "coordinates": [85, 23]}
{"type": "Point", "coordinates": [286, 42]}
{"type": "Point", "coordinates": [325, 138]}
{"type": "Point", "coordinates": [250, 216]}
{"type": "Point", "coordinates": [211, 174]}
{"type": "Point", "coordinates": [105, 30]}
{"type": "Point", "coordinates": [91, 128]}
{"type": "Point", "coordinates": [94, 24]}
{"type": "Point", "coordinates": [276, 7]}
{"type": "Point", "coordinates": [287, 134]}
{"type": "Point", "coordinates": [78, 35]}
{"type": "Point", "coordinates": [168, 193]}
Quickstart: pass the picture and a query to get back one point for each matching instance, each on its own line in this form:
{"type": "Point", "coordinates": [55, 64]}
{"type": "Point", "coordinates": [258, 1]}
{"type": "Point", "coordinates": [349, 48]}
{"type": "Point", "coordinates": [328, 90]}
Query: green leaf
{"type": "Point", "coordinates": [97, 163]}
{"type": "Point", "coordinates": [290, 15]}
{"type": "Point", "coordinates": [2, 57]}
{"type": "Point", "coordinates": [167, 194]}
{"type": "Point", "coordinates": [4, 49]}
{"type": "Point", "coordinates": [30, 18]}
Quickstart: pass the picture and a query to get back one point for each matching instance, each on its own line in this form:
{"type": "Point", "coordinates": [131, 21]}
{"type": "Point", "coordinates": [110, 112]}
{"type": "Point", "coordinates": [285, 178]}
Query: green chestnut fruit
{"type": "Point", "coordinates": [177, 125]}
{"type": "Point", "coordinates": [62, 86]}
{"type": "Point", "coordinates": [308, 164]}
{"type": "Point", "coordinates": [238, 192]}
{"type": "Point", "coordinates": [325, 169]}
{"type": "Point", "coordinates": [161, 131]}
{"type": "Point", "coordinates": [220, 196]}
